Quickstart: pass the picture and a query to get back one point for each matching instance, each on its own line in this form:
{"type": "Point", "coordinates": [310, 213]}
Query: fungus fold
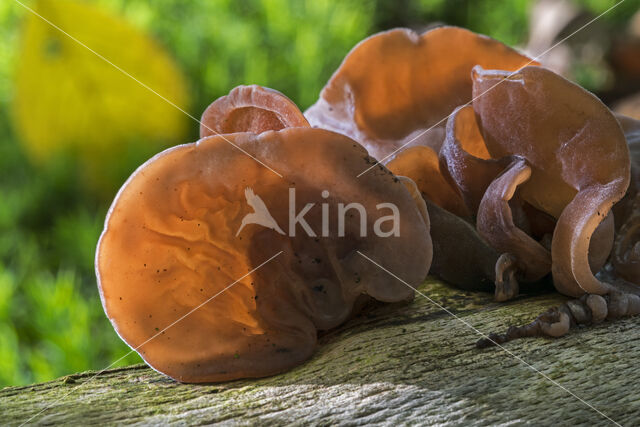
{"type": "Point", "coordinates": [395, 85]}
{"type": "Point", "coordinates": [577, 161]}
{"type": "Point", "coordinates": [250, 109]}
{"type": "Point", "coordinates": [393, 93]}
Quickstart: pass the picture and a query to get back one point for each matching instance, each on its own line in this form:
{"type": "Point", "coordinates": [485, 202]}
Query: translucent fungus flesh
{"type": "Point", "coordinates": [176, 270]}
{"type": "Point", "coordinates": [421, 164]}
{"type": "Point", "coordinates": [394, 86]}
{"type": "Point", "coordinates": [465, 160]}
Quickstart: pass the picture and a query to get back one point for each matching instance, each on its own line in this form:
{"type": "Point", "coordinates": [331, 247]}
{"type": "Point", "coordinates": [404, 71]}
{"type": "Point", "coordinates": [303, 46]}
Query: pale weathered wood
{"type": "Point", "coordinates": [410, 363]}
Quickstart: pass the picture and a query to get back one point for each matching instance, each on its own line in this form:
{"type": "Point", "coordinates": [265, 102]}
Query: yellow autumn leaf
{"type": "Point", "coordinates": [67, 98]}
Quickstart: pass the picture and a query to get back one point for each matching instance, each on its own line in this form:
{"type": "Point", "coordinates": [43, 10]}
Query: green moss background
{"type": "Point", "coordinates": [51, 320]}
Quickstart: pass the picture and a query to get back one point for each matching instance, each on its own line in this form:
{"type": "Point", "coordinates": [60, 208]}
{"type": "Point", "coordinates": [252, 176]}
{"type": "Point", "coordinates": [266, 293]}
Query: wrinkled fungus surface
{"type": "Point", "coordinates": [175, 238]}
{"type": "Point", "coordinates": [395, 85]}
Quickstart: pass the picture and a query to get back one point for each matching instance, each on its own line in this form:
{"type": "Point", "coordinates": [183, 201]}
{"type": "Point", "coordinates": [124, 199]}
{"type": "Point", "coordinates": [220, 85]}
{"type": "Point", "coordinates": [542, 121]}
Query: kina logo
{"type": "Point", "coordinates": [260, 214]}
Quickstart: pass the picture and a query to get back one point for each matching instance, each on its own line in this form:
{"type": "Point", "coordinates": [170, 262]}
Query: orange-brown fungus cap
{"type": "Point", "coordinates": [396, 84]}
{"type": "Point", "coordinates": [179, 234]}
{"type": "Point", "coordinates": [577, 153]}
{"type": "Point", "coordinates": [421, 164]}
{"type": "Point", "coordinates": [250, 109]}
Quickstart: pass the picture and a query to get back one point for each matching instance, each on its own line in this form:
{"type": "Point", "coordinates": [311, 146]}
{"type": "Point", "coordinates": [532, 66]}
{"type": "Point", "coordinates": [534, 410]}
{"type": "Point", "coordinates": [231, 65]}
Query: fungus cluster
{"type": "Point", "coordinates": [503, 173]}
{"type": "Point", "coordinates": [526, 175]}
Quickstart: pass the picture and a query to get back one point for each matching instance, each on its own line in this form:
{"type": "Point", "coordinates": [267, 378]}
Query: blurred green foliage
{"type": "Point", "coordinates": [51, 319]}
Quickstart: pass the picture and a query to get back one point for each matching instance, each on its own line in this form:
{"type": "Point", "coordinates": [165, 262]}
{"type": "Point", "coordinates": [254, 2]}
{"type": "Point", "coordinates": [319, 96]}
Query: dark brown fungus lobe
{"type": "Point", "coordinates": [395, 85]}
{"type": "Point", "coordinates": [253, 109]}
{"type": "Point", "coordinates": [577, 158]}
{"type": "Point", "coordinates": [601, 243]}
{"type": "Point", "coordinates": [624, 209]}
{"type": "Point", "coordinates": [215, 301]}
{"type": "Point", "coordinates": [626, 253]}
{"type": "Point", "coordinates": [462, 257]}
{"type": "Point", "coordinates": [466, 162]}
{"type": "Point", "coordinates": [631, 129]}
{"type": "Point", "coordinates": [495, 223]}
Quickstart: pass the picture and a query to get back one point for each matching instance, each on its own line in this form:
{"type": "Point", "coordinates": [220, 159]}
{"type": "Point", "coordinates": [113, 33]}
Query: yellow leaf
{"type": "Point", "coordinates": [69, 99]}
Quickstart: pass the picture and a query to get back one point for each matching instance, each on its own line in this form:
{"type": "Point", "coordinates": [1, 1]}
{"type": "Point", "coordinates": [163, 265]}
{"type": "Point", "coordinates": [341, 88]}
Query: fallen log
{"type": "Point", "coordinates": [399, 363]}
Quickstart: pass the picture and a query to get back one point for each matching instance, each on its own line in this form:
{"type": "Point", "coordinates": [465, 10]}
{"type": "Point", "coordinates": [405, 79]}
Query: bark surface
{"type": "Point", "coordinates": [400, 363]}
